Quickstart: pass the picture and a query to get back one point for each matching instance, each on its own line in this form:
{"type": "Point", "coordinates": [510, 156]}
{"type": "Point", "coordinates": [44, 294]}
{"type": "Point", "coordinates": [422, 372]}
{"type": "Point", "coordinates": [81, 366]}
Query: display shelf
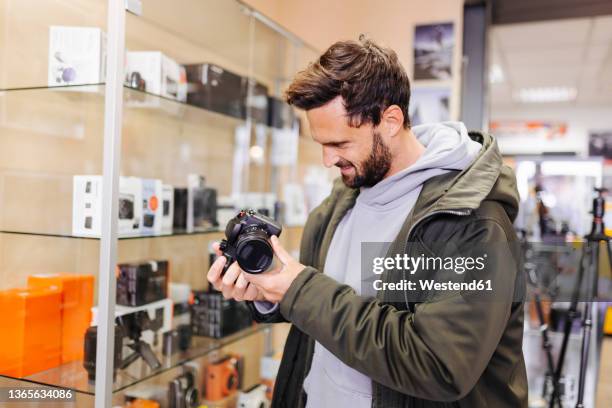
{"type": "Point", "coordinates": [73, 376]}
{"type": "Point", "coordinates": [175, 233]}
{"type": "Point", "coordinates": [133, 99]}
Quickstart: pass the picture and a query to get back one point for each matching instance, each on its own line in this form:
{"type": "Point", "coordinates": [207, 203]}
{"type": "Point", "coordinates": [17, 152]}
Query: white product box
{"type": "Point", "coordinates": [87, 206]}
{"type": "Point", "coordinates": [162, 75]}
{"type": "Point", "coordinates": [77, 55]}
{"type": "Point", "coordinates": [167, 207]}
{"type": "Point", "coordinates": [151, 308]}
{"type": "Point", "coordinates": [152, 210]}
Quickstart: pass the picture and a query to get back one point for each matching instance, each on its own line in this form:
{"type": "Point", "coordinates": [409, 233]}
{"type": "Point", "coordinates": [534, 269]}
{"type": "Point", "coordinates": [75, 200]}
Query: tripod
{"type": "Point", "coordinates": [590, 257]}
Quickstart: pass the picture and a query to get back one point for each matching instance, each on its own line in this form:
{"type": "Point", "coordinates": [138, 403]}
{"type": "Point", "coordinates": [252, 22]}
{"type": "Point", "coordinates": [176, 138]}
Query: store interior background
{"type": "Point", "coordinates": [548, 49]}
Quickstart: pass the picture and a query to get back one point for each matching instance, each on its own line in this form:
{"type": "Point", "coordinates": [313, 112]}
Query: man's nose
{"type": "Point", "coordinates": [330, 158]}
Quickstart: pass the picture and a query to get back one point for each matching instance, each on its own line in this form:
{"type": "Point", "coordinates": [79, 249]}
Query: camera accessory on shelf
{"type": "Point", "coordinates": [248, 241]}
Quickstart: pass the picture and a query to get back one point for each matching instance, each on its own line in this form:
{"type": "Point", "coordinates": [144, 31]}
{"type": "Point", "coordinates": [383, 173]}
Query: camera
{"type": "Point", "coordinates": [248, 241]}
{"type": "Point", "coordinates": [177, 340]}
{"type": "Point", "coordinates": [90, 347]}
{"type": "Point", "coordinates": [254, 397]}
{"type": "Point", "coordinates": [224, 377]}
{"type": "Point", "coordinates": [183, 392]}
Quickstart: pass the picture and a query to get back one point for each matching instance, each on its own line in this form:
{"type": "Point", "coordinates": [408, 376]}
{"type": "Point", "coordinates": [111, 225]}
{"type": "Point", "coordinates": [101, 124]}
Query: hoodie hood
{"type": "Point", "coordinates": [447, 147]}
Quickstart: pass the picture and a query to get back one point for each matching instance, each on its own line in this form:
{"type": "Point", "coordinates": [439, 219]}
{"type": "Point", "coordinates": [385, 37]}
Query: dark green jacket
{"type": "Point", "coordinates": [446, 350]}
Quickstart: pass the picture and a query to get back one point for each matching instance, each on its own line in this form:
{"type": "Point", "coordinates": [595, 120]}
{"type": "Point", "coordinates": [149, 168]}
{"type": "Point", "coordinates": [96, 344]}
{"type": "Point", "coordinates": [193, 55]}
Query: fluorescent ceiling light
{"type": "Point", "coordinates": [551, 94]}
{"type": "Point", "coordinates": [496, 74]}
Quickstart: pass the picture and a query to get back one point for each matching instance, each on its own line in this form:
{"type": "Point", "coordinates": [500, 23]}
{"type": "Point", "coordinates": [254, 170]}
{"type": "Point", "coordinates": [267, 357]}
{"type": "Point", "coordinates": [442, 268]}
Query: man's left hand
{"type": "Point", "coordinates": [275, 283]}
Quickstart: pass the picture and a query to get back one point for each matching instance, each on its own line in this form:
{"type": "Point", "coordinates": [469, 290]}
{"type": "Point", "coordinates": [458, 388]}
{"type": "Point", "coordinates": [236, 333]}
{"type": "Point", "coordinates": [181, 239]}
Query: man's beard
{"type": "Point", "coordinates": [373, 169]}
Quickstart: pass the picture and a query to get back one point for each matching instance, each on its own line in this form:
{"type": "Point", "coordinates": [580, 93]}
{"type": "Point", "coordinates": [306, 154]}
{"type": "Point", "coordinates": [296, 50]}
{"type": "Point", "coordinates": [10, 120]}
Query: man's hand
{"type": "Point", "coordinates": [274, 284]}
{"type": "Point", "coordinates": [233, 283]}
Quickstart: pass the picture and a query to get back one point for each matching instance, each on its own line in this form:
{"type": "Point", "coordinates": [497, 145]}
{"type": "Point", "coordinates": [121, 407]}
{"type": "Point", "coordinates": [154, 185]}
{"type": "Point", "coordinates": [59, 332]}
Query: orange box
{"type": "Point", "coordinates": [77, 301]}
{"type": "Point", "coordinates": [30, 323]}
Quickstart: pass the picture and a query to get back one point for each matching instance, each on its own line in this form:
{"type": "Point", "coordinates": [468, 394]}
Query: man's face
{"type": "Point", "coordinates": [361, 153]}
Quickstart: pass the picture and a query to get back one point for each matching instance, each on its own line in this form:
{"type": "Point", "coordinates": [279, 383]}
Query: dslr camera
{"type": "Point", "coordinates": [183, 391]}
{"type": "Point", "coordinates": [248, 241]}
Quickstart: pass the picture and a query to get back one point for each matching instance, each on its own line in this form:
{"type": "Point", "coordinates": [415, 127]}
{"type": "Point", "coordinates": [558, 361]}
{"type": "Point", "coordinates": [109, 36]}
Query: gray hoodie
{"type": "Point", "coordinates": [377, 216]}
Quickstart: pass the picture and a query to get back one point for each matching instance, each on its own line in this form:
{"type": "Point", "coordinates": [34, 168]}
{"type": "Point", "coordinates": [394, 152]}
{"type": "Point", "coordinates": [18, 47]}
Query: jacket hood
{"type": "Point", "coordinates": [486, 178]}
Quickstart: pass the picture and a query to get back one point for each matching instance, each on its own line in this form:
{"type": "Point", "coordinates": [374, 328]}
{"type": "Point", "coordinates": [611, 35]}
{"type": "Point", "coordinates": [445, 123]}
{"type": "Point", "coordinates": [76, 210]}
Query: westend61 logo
{"type": "Point", "coordinates": [428, 263]}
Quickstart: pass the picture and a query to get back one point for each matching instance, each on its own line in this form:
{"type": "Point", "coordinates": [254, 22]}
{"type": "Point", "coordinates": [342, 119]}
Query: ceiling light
{"type": "Point", "coordinates": [542, 95]}
{"type": "Point", "coordinates": [496, 74]}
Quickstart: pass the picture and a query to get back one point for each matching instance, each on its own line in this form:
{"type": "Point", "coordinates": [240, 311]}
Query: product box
{"type": "Point", "coordinates": [195, 207]}
{"type": "Point", "coordinates": [140, 283]}
{"type": "Point", "coordinates": [77, 301]}
{"type": "Point", "coordinates": [161, 75]}
{"type": "Point", "coordinates": [167, 208]}
{"type": "Point", "coordinates": [217, 89]}
{"type": "Point", "coordinates": [87, 206]}
{"type": "Point", "coordinates": [280, 114]}
{"type": "Point", "coordinates": [77, 56]}
{"type": "Point", "coordinates": [152, 211]}
{"type": "Point", "coordinates": [31, 326]}
{"type": "Point", "coordinates": [256, 101]}
{"type": "Point", "coordinates": [214, 316]}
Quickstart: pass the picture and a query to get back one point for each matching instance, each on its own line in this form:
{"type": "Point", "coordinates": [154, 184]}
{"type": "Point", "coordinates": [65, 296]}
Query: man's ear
{"type": "Point", "coordinates": [392, 120]}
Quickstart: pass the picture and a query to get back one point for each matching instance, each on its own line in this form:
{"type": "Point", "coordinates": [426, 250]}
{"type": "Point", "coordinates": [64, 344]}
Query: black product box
{"type": "Point", "coordinates": [214, 316]}
{"type": "Point", "coordinates": [142, 283]}
{"type": "Point", "coordinates": [214, 88]}
{"type": "Point", "coordinates": [280, 114]}
{"type": "Point", "coordinates": [258, 103]}
{"type": "Point", "coordinates": [196, 209]}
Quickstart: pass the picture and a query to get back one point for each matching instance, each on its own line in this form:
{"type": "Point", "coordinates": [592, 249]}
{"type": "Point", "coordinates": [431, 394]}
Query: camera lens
{"type": "Point", "coordinates": [253, 251]}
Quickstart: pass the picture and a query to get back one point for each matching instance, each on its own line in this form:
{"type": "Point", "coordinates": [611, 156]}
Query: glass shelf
{"type": "Point", "coordinates": [74, 377]}
{"type": "Point", "coordinates": [175, 233]}
{"type": "Point", "coordinates": [133, 99]}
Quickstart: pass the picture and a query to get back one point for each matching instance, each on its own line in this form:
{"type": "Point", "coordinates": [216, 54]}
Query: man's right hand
{"type": "Point", "coordinates": [232, 284]}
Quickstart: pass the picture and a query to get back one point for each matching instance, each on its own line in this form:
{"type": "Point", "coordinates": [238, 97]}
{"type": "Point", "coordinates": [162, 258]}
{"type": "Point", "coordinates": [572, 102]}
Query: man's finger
{"type": "Point", "coordinates": [215, 247]}
{"type": "Point", "coordinates": [231, 274]}
{"type": "Point", "coordinates": [280, 252]}
{"type": "Point", "coordinates": [251, 293]}
{"type": "Point", "coordinates": [214, 273]}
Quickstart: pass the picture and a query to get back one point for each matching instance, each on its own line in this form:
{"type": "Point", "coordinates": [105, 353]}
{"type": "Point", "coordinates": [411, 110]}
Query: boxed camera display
{"type": "Point", "coordinates": [87, 206]}
{"type": "Point", "coordinates": [77, 301]}
{"type": "Point", "coordinates": [31, 330]}
{"type": "Point", "coordinates": [248, 241]}
{"type": "Point", "coordinates": [223, 377]}
{"type": "Point", "coordinates": [214, 316]}
{"type": "Point", "coordinates": [151, 209]}
{"type": "Point", "coordinates": [167, 208]}
{"type": "Point", "coordinates": [217, 89]}
{"type": "Point", "coordinates": [195, 207]}
{"type": "Point", "coordinates": [77, 56]}
{"type": "Point", "coordinates": [254, 397]}
{"type": "Point", "coordinates": [257, 100]}
{"type": "Point", "coordinates": [183, 391]}
{"type": "Point", "coordinates": [161, 75]}
{"type": "Point", "coordinates": [141, 283]}
{"type": "Point", "coordinates": [280, 114]}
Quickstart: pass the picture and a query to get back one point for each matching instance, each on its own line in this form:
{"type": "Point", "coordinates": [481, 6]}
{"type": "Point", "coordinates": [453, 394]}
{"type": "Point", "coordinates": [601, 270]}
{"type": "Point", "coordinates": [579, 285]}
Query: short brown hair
{"type": "Point", "coordinates": [368, 77]}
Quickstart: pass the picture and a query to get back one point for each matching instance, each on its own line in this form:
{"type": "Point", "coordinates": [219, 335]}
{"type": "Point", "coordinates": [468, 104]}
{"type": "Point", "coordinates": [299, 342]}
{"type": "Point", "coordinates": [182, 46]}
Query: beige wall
{"type": "Point", "coordinates": [322, 22]}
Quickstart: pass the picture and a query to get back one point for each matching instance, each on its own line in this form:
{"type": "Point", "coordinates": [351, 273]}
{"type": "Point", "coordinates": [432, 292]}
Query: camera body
{"type": "Point", "coordinates": [183, 391]}
{"type": "Point", "coordinates": [255, 397]}
{"type": "Point", "coordinates": [223, 377]}
{"type": "Point", "coordinates": [141, 283]}
{"type": "Point", "coordinates": [248, 241]}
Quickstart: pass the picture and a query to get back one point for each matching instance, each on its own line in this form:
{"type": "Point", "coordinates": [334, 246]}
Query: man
{"type": "Point", "coordinates": [399, 185]}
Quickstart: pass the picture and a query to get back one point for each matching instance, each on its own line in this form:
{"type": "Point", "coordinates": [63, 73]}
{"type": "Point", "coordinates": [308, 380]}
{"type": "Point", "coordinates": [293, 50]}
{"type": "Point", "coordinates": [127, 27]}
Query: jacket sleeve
{"type": "Point", "coordinates": [273, 316]}
{"type": "Point", "coordinates": [438, 352]}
